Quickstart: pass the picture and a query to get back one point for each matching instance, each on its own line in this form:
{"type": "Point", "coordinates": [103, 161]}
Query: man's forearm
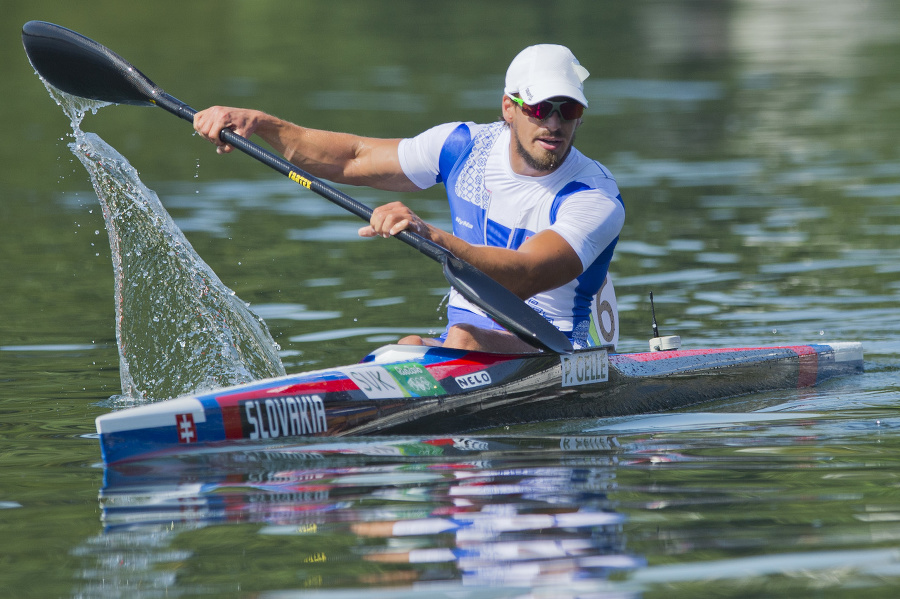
{"type": "Point", "coordinates": [546, 264]}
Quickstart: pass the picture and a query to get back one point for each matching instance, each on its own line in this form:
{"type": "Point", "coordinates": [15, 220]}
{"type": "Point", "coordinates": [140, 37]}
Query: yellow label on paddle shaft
{"type": "Point", "coordinates": [298, 179]}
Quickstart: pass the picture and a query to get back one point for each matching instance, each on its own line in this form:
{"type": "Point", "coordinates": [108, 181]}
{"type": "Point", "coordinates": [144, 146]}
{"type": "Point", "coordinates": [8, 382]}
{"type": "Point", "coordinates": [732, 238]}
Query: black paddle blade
{"type": "Point", "coordinates": [505, 307]}
{"type": "Point", "coordinates": [80, 66]}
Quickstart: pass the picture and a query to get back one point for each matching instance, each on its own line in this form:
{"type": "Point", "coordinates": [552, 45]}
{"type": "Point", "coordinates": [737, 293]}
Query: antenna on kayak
{"type": "Point", "coordinates": [653, 312]}
{"type": "Point", "coordinates": [669, 343]}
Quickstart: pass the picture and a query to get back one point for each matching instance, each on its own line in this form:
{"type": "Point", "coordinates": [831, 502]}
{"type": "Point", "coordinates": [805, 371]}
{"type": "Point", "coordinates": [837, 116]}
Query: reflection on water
{"type": "Point", "coordinates": [435, 511]}
{"type": "Point", "coordinates": [754, 496]}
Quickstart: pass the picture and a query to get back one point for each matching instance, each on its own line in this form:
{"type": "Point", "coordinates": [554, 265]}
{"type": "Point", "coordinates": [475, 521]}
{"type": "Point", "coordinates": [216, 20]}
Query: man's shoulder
{"type": "Point", "coordinates": [457, 134]}
{"type": "Point", "coordinates": [444, 130]}
{"type": "Point", "coordinates": [587, 170]}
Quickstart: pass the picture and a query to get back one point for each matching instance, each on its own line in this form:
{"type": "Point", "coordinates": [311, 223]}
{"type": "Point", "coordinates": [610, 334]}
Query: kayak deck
{"type": "Point", "coordinates": [411, 389]}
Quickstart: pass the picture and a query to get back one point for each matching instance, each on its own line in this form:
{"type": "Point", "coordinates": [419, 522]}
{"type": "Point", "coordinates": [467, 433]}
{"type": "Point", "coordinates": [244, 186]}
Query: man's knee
{"type": "Point", "coordinates": [464, 336]}
{"type": "Point", "coordinates": [472, 338]}
{"type": "Point", "coordinates": [417, 340]}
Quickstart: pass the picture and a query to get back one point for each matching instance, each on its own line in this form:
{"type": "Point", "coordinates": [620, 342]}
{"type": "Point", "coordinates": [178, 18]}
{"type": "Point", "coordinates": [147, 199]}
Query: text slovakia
{"type": "Point", "coordinates": [283, 417]}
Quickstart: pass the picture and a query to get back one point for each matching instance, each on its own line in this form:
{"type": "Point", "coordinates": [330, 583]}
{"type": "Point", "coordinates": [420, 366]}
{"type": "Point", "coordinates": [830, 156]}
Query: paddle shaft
{"type": "Point", "coordinates": [301, 177]}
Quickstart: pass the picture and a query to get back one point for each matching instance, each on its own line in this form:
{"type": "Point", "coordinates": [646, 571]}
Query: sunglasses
{"type": "Point", "coordinates": [568, 109]}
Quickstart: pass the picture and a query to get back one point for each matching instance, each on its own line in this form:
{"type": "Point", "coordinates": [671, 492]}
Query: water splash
{"type": "Point", "coordinates": [179, 328]}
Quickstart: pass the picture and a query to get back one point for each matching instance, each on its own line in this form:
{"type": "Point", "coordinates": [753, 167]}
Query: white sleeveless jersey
{"type": "Point", "coordinates": [492, 205]}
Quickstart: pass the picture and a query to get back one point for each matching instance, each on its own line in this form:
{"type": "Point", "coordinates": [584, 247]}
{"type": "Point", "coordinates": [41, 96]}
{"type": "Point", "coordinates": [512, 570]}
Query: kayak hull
{"type": "Point", "coordinates": [410, 389]}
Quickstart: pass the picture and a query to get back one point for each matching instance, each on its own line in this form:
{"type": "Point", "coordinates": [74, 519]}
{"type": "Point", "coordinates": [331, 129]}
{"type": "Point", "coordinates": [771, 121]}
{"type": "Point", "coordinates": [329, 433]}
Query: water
{"type": "Point", "coordinates": [755, 145]}
{"type": "Point", "coordinates": [179, 330]}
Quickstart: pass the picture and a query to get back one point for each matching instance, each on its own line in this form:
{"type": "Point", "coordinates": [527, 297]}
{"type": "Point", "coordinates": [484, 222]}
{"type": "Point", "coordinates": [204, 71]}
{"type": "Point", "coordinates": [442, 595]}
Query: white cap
{"type": "Point", "coordinates": [546, 71]}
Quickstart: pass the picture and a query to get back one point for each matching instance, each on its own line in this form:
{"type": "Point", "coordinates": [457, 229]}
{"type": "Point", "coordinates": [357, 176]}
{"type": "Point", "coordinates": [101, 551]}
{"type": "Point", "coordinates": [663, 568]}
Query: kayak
{"type": "Point", "coordinates": [401, 389]}
{"type": "Point", "coordinates": [407, 389]}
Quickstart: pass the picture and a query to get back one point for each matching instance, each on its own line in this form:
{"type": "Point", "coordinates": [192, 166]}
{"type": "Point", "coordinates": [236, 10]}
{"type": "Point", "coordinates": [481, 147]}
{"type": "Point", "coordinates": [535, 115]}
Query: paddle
{"type": "Point", "coordinates": [82, 67]}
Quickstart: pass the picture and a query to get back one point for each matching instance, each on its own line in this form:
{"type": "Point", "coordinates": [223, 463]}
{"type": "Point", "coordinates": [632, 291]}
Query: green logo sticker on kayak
{"type": "Point", "coordinates": [415, 379]}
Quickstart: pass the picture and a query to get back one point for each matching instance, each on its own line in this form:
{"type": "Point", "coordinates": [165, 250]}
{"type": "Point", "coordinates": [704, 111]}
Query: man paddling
{"type": "Point", "coordinates": [528, 208]}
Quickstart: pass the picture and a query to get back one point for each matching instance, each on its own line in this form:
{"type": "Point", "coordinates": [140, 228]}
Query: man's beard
{"type": "Point", "coordinates": [546, 163]}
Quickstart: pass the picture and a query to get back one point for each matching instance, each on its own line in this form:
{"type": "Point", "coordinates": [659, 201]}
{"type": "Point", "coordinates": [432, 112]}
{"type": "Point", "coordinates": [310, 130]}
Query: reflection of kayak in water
{"type": "Point", "coordinates": [480, 517]}
{"type": "Point", "coordinates": [418, 390]}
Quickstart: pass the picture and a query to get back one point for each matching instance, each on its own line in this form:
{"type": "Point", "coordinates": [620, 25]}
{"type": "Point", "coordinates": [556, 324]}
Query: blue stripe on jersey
{"type": "Point", "coordinates": [454, 149]}
{"type": "Point", "coordinates": [592, 278]}
{"type": "Point", "coordinates": [518, 237]}
{"type": "Point", "coordinates": [590, 281]}
{"type": "Point", "coordinates": [496, 234]}
{"type": "Point", "coordinates": [563, 195]}
{"type": "Point", "coordinates": [468, 219]}
{"type": "Point", "coordinates": [503, 237]}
